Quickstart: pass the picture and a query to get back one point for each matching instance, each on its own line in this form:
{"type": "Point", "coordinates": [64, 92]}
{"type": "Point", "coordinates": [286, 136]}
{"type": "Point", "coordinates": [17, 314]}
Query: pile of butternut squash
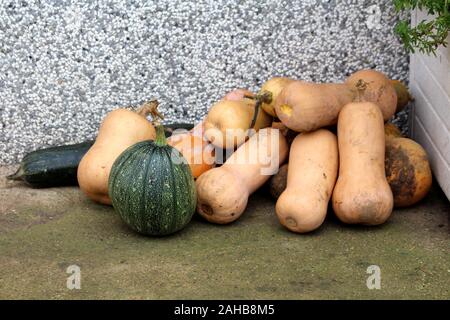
{"type": "Point", "coordinates": [341, 154]}
{"type": "Point", "coordinates": [340, 151]}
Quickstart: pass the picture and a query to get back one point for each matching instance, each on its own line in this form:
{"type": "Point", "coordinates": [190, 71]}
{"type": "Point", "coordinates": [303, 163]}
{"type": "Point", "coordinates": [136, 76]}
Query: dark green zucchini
{"type": "Point", "coordinates": [57, 166]}
{"type": "Point", "coordinates": [52, 167]}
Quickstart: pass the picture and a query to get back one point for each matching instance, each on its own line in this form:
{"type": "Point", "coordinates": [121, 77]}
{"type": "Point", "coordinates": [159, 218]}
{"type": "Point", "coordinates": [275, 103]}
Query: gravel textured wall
{"type": "Point", "coordinates": [65, 64]}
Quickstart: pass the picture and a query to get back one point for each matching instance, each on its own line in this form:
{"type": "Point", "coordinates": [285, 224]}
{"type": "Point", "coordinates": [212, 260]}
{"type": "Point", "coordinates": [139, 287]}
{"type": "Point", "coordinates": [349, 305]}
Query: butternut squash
{"type": "Point", "coordinates": [273, 88]}
{"type": "Point", "coordinates": [228, 122]}
{"type": "Point", "coordinates": [278, 182]}
{"type": "Point", "coordinates": [120, 129]}
{"type": "Point", "coordinates": [391, 130]}
{"type": "Point", "coordinates": [198, 129]}
{"type": "Point", "coordinates": [374, 86]}
{"type": "Point", "coordinates": [313, 167]}
{"type": "Point", "coordinates": [304, 106]}
{"type": "Point", "coordinates": [403, 95]}
{"type": "Point", "coordinates": [288, 133]}
{"type": "Point", "coordinates": [362, 194]}
{"type": "Point", "coordinates": [222, 193]}
{"type": "Point", "coordinates": [407, 170]}
{"type": "Point", "coordinates": [198, 153]}
{"type": "Point", "coordinates": [238, 95]}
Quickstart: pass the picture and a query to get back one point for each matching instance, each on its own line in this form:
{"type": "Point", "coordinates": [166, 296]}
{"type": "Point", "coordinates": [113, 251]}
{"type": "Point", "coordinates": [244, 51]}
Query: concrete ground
{"type": "Point", "coordinates": [42, 232]}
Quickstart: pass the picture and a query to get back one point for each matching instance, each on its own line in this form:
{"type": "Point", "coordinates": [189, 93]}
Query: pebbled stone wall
{"type": "Point", "coordinates": [65, 64]}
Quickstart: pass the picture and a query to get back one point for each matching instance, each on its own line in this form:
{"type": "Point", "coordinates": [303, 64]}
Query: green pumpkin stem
{"type": "Point", "coordinates": [160, 136]}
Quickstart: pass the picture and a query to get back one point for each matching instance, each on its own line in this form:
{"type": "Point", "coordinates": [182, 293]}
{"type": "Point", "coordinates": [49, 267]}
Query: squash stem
{"type": "Point", "coordinates": [265, 97]}
{"type": "Point", "coordinates": [151, 108]}
{"type": "Point", "coordinates": [160, 136]}
{"type": "Point", "coordinates": [256, 112]}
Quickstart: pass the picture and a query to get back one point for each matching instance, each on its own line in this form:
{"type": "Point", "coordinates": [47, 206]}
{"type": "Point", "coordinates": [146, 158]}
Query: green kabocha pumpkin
{"type": "Point", "coordinates": [152, 188]}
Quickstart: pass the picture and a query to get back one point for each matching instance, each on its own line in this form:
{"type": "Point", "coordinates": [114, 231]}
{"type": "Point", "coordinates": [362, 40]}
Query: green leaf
{"type": "Point", "coordinates": [427, 36]}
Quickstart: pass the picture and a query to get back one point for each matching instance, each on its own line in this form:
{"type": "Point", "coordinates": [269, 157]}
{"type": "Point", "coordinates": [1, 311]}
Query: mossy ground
{"type": "Point", "coordinates": [42, 232]}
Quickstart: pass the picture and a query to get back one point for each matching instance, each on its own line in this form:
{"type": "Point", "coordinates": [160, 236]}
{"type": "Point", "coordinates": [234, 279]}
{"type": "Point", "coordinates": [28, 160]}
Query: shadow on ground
{"type": "Point", "coordinates": [42, 232]}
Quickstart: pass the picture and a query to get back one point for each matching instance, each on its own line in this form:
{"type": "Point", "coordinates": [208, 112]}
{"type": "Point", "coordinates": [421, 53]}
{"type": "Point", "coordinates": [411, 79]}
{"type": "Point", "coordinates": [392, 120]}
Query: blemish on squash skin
{"type": "Point", "coordinates": [206, 209]}
{"type": "Point", "coordinates": [400, 173]}
{"type": "Point", "coordinates": [372, 114]}
{"type": "Point", "coordinates": [286, 109]}
{"type": "Point", "coordinates": [290, 222]}
{"type": "Point", "coordinates": [368, 213]}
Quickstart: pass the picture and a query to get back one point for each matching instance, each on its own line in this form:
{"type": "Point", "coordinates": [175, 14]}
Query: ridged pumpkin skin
{"type": "Point", "coordinates": [152, 189]}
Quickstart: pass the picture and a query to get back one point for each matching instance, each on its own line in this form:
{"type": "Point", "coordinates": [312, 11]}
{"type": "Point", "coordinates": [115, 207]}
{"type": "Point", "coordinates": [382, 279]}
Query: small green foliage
{"type": "Point", "coordinates": [427, 36]}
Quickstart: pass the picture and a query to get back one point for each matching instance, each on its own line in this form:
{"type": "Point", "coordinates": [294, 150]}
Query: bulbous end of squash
{"type": "Point", "coordinates": [367, 207]}
{"type": "Point", "coordinates": [273, 88]}
{"type": "Point", "coordinates": [221, 197]}
{"type": "Point", "coordinates": [374, 86]}
{"type": "Point", "coordinates": [297, 214]}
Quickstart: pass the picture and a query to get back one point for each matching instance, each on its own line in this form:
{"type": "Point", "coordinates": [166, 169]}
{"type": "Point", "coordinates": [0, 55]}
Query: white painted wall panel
{"type": "Point", "coordinates": [430, 116]}
{"type": "Point", "coordinates": [440, 165]}
{"type": "Point", "coordinates": [431, 88]}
